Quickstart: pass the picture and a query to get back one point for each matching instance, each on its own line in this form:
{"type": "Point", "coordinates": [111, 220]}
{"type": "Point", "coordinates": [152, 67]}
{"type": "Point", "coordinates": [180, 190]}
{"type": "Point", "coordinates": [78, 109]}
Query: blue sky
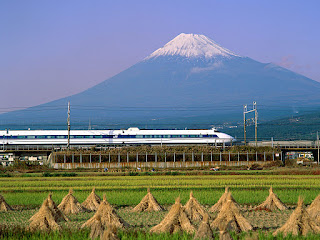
{"type": "Point", "coordinates": [52, 49]}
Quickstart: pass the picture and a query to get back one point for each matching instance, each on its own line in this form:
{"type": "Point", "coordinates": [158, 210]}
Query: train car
{"type": "Point", "coordinates": [131, 136]}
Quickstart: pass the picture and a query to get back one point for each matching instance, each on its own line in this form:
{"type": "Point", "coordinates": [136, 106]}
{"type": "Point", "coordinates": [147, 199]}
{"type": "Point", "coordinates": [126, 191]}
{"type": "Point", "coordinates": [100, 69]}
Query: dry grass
{"type": "Point", "coordinates": [176, 221]}
{"type": "Point", "coordinates": [299, 223]}
{"type": "Point", "coordinates": [148, 203]}
{"type": "Point", "coordinates": [217, 207]}
{"type": "Point", "coordinates": [97, 228]}
{"type": "Point", "coordinates": [224, 235]}
{"type": "Point", "coordinates": [92, 202]}
{"type": "Point", "coordinates": [194, 209]}
{"type": "Point", "coordinates": [57, 214]}
{"type": "Point", "coordinates": [230, 217]}
{"type": "Point", "coordinates": [272, 202]}
{"type": "Point", "coordinates": [204, 231]}
{"type": "Point", "coordinates": [4, 206]}
{"type": "Point", "coordinates": [107, 216]}
{"type": "Point", "coordinates": [44, 220]}
{"type": "Point", "coordinates": [70, 205]}
{"type": "Point", "coordinates": [110, 234]}
{"type": "Point", "coordinates": [314, 208]}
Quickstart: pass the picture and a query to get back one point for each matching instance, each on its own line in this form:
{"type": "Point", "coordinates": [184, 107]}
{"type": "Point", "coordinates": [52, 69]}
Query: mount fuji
{"type": "Point", "coordinates": [191, 77]}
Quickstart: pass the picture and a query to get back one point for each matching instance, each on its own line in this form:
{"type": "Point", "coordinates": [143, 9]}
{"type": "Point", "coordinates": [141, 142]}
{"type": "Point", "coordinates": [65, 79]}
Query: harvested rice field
{"type": "Point", "coordinates": [26, 194]}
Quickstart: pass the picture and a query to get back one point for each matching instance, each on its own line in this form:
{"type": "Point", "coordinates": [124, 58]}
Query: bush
{"type": "Point", "coordinates": [46, 174]}
{"type": "Point", "coordinates": [133, 174]}
{"type": "Point", "coordinates": [5, 175]}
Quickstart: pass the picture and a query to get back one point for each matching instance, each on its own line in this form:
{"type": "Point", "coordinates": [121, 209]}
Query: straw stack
{"type": "Point", "coordinates": [92, 202]}
{"type": "Point", "coordinates": [70, 205]}
{"type": "Point", "coordinates": [194, 209]}
{"type": "Point", "coordinates": [299, 222]}
{"type": "Point", "coordinates": [314, 208]}
{"type": "Point", "coordinates": [107, 216]}
{"type": "Point", "coordinates": [110, 233]}
{"type": "Point", "coordinates": [148, 203]}
{"type": "Point", "coordinates": [4, 206]}
{"type": "Point", "coordinates": [204, 230]}
{"type": "Point", "coordinates": [57, 214]}
{"type": "Point", "coordinates": [44, 220]}
{"type": "Point", "coordinates": [176, 220]}
{"type": "Point", "coordinates": [217, 207]}
{"type": "Point", "coordinates": [230, 215]}
{"type": "Point", "coordinates": [224, 235]}
{"type": "Point", "coordinates": [97, 228]}
{"type": "Point", "coordinates": [272, 202]}
{"type": "Point", "coordinates": [223, 231]}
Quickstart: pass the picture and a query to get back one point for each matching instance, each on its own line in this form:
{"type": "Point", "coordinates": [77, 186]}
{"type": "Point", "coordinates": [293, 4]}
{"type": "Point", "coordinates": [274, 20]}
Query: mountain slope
{"type": "Point", "coordinates": [190, 76]}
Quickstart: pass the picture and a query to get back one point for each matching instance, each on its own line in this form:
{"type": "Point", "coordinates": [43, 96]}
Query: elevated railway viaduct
{"type": "Point", "coordinates": [52, 154]}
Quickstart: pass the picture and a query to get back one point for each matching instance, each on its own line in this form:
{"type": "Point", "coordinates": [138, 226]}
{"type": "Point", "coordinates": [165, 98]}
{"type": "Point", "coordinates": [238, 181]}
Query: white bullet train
{"type": "Point", "coordinates": [131, 136]}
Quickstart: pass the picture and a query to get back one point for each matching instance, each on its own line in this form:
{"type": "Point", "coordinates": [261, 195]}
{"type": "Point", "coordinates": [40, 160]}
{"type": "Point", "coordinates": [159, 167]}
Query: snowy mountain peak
{"type": "Point", "coordinates": [192, 45]}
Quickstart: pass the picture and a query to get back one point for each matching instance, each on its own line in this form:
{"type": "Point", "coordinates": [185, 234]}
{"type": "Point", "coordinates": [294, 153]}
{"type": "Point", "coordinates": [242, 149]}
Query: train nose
{"type": "Point", "coordinates": [226, 136]}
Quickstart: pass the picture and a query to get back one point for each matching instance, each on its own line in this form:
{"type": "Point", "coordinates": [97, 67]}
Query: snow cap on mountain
{"type": "Point", "coordinates": [192, 45]}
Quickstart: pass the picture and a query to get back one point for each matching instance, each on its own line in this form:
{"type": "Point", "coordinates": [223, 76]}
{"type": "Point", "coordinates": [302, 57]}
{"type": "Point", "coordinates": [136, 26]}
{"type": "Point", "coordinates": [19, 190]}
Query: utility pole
{"type": "Point", "coordinates": [89, 127]}
{"type": "Point", "coordinates": [244, 124]}
{"type": "Point", "coordinates": [68, 144]}
{"type": "Point", "coordinates": [255, 120]}
{"type": "Point", "coordinates": [318, 145]}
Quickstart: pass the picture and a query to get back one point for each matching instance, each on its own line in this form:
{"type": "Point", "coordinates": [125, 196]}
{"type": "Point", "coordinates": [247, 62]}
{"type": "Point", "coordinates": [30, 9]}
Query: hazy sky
{"type": "Point", "coordinates": [52, 49]}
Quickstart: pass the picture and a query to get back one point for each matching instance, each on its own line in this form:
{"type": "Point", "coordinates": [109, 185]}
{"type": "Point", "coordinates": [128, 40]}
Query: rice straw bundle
{"type": "Point", "coordinates": [217, 207]}
{"type": "Point", "coordinates": [194, 209]}
{"type": "Point", "coordinates": [176, 220]}
{"type": "Point", "coordinates": [314, 208]}
{"type": "Point", "coordinates": [230, 215]}
{"type": "Point", "coordinates": [224, 235]}
{"type": "Point", "coordinates": [110, 233]}
{"type": "Point", "coordinates": [97, 228]}
{"type": "Point", "coordinates": [92, 202]}
{"type": "Point", "coordinates": [58, 215]}
{"type": "Point", "coordinates": [4, 206]}
{"type": "Point", "coordinates": [204, 230]}
{"type": "Point", "coordinates": [70, 205]}
{"type": "Point", "coordinates": [44, 220]}
{"type": "Point", "coordinates": [272, 202]}
{"type": "Point", "coordinates": [299, 222]}
{"type": "Point", "coordinates": [148, 203]}
{"type": "Point", "coordinates": [107, 215]}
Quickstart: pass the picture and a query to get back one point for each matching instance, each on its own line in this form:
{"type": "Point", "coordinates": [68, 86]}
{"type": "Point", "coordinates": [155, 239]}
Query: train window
{"type": "Point", "coordinates": [126, 136]}
{"type": "Point", "coordinates": [41, 136]}
{"type": "Point", "coordinates": [60, 137]}
{"type": "Point", "coordinates": [31, 136]}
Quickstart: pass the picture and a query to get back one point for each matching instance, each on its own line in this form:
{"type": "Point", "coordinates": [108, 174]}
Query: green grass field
{"type": "Point", "coordinates": [26, 194]}
{"type": "Point", "coordinates": [128, 190]}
